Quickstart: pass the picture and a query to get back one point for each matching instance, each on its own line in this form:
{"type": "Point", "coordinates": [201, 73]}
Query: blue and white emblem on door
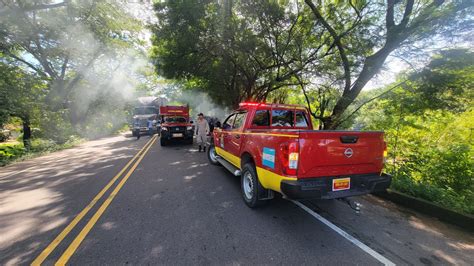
{"type": "Point", "coordinates": [268, 157]}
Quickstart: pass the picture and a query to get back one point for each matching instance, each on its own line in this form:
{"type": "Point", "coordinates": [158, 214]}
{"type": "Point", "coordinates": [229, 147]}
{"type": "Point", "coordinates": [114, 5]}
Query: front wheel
{"type": "Point", "coordinates": [251, 187]}
{"type": "Point", "coordinates": [212, 155]}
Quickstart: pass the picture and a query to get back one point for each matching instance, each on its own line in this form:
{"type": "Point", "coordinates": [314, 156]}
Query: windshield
{"type": "Point", "coordinates": [175, 119]}
{"type": "Point", "coordinates": [145, 110]}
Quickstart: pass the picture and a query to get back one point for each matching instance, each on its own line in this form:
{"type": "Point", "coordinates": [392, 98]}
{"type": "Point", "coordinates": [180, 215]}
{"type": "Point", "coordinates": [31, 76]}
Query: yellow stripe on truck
{"type": "Point", "coordinates": [229, 157]}
{"type": "Point", "coordinates": [270, 180]}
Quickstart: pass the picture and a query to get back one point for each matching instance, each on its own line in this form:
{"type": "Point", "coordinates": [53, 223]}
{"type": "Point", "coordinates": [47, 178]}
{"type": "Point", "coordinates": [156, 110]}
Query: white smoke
{"type": "Point", "coordinates": [199, 102]}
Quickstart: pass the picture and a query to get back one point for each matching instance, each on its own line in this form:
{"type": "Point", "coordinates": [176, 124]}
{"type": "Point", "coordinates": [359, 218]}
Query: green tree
{"type": "Point", "coordinates": [380, 28]}
{"type": "Point", "coordinates": [61, 42]}
{"type": "Point", "coordinates": [88, 55]}
{"type": "Point", "coordinates": [236, 50]}
{"type": "Point", "coordinates": [241, 50]}
{"type": "Point", "coordinates": [20, 96]}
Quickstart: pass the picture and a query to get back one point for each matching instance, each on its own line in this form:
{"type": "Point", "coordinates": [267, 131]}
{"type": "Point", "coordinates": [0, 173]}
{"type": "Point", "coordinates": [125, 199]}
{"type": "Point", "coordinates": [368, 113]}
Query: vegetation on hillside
{"type": "Point", "coordinates": [429, 125]}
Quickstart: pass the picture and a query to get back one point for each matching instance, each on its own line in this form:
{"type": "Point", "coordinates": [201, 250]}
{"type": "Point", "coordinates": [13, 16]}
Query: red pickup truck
{"type": "Point", "coordinates": [273, 147]}
{"type": "Point", "coordinates": [175, 124]}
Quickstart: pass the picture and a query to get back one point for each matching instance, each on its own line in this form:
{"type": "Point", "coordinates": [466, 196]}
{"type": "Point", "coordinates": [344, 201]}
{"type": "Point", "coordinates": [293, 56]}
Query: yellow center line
{"type": "Point", "coordinates": [45, 253]}
{"type": "Point", "coordinates": [82, 235]}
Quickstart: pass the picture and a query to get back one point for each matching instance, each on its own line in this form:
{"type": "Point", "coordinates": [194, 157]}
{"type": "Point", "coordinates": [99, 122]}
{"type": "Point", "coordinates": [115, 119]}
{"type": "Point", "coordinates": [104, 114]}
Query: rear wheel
{"type": "Point", "coordinates": [212, 155]}
{"type": "Point", "coordinates": [251, 187]}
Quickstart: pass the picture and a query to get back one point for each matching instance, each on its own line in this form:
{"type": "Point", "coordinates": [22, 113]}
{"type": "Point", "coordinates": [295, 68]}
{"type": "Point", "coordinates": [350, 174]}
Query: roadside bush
{"type": "Point", "coordinates": [12, 152]}
{"type": "Point", "coordinates": [56, 127]}
{"type": "Point", "coordinates": [9, 152]}
{"type": "Point", "coordinates": [4, 135]}
{"type": "Point", "coordinates": [103, 124]}
{"type": "Point", "coordinates": [431, 152]}
{"type": "Point", "coordinates": [461, 202]}
{"type": "Point", "coordinates": [36, 133]}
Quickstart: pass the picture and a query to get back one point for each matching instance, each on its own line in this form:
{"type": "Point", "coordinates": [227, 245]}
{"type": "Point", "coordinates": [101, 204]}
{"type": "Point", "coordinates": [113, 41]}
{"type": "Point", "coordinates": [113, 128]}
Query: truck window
{"type": "Point", "coordinates": [228, 122]}
{"type": "Point", "coordinates": [282, 118]}
{"type": "Point", "coordinates": [261, 118]}
{"type": "Point", "coordinates": [239, 120]}
{"type": "Point", "coordinates": [301, 120]}
{"type": "Point", "coordinates": [175, 119]}
{"type": "Point", "coordinates": [145, 110]}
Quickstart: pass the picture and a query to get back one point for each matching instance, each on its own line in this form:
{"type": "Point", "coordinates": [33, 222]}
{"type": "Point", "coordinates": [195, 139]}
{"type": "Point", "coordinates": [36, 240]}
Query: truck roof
{"type": "Point", "coordinates": [271, 105]}
{"type": "Point", "coordinates": [169, 110]}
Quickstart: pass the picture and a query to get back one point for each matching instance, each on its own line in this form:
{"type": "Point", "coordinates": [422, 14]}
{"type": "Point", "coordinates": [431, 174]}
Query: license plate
{"type": "Point", "coordinates": [177, 135]}
{"type": "Point", "coordinates": [341, 184]}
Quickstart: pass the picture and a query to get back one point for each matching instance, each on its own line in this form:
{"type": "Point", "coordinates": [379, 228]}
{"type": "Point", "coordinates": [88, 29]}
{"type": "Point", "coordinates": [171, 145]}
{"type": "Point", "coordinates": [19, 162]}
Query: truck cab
{"type": "Point", "coordinates": [140, 118]}
{"type": "Point", "coordinates": [146, 108]}
{"type": "Point", "coordinates": [175, 124]}
{"type": "Point", "coordinates": [273, 148]}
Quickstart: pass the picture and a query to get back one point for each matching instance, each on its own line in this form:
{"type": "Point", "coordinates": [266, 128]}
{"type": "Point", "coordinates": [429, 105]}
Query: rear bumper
{"type": "Point", "coordinates": [321, 187]}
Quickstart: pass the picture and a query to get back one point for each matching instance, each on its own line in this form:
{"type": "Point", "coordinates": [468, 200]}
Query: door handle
{"type": "Point", "coordinates": [237, 136]}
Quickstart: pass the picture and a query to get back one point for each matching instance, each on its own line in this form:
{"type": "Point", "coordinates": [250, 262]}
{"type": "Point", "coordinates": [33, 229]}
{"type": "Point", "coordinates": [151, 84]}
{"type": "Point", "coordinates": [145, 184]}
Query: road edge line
{"type": "Point", "coordinates": [88, 227]}
{"type": "Point", "coordinates": [344, 234]}
{"type": "Point", "coordinates": [64, 233]}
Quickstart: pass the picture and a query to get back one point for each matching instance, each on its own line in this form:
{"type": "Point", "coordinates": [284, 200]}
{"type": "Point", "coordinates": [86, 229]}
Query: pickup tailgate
{"type": "Point", "coordinates": [339, 153]}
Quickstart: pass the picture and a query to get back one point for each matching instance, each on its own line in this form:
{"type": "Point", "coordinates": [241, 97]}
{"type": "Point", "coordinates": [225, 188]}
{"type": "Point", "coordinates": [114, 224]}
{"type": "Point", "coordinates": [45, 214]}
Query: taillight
{"type": "Point", "coordinates": [385, 152]}
{"type": "Point", "coordinates": [289, 153]}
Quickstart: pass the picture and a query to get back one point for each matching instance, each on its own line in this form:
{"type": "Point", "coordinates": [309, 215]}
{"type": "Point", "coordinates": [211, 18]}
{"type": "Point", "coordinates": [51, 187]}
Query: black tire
{"type": "Point", "coordinates": [189, 141]}
{"type": "Point", "coordinates": [251, 199]}
{"type": "Point", "coordinates": [211, 155]}
{"type": "Point", "coordinates": [163, 142]}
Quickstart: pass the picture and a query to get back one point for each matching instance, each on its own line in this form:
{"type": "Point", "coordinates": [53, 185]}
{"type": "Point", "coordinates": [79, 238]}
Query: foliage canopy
{"type": "Point", "coordinates": [248, 50]}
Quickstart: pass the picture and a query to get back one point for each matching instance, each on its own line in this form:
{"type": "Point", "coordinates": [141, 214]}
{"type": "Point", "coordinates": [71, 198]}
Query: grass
{"type": "Point", "coordinates": [12, 152]}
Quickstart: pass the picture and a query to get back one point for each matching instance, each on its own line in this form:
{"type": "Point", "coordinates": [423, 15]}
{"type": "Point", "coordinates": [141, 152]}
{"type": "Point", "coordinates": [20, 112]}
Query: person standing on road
{"type": "Point", "coordinates": [136, 128]}
{"type": "Point", "coordinates": [149, 125]}
{"type": "Point", "coordinates": [202, 129]}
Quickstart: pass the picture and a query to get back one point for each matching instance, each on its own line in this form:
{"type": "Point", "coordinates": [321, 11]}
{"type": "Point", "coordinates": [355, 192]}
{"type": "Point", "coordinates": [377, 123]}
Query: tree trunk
{"type": "Point", "coordinates": [372, 66]}
{"type": "Point", "coordinates": [26, 133]}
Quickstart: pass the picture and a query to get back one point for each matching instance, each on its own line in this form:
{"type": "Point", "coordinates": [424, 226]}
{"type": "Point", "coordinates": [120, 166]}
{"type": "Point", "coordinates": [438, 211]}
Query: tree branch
{"type": "Point", "coordinates": [370, 100]}
{"type": "Point", "coordinates": [30, 65]}
{"type": "Point", "coordinates": [35, 7]}
{"type": "Point", "coordinates": [389, 16]}
{"type": "Point", "coordinates": [337, 41]}
{"type": "Point", "coordinates": [407, 13]}
{"type": "Point", "coordinates": [64, 67]}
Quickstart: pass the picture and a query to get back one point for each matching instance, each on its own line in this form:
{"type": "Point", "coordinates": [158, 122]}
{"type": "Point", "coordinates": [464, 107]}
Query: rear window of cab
{"type": "Point", "coordinates": [280, 118]}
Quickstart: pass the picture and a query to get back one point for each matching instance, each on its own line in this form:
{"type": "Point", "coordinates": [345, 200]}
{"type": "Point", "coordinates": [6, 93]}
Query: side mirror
{"type": "Point", "coordinates": [191, 122]}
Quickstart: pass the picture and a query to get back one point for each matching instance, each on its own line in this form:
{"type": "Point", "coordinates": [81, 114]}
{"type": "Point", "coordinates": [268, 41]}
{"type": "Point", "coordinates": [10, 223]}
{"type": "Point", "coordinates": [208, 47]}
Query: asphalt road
{"type": "Point", "coordinates": [169, 206]}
